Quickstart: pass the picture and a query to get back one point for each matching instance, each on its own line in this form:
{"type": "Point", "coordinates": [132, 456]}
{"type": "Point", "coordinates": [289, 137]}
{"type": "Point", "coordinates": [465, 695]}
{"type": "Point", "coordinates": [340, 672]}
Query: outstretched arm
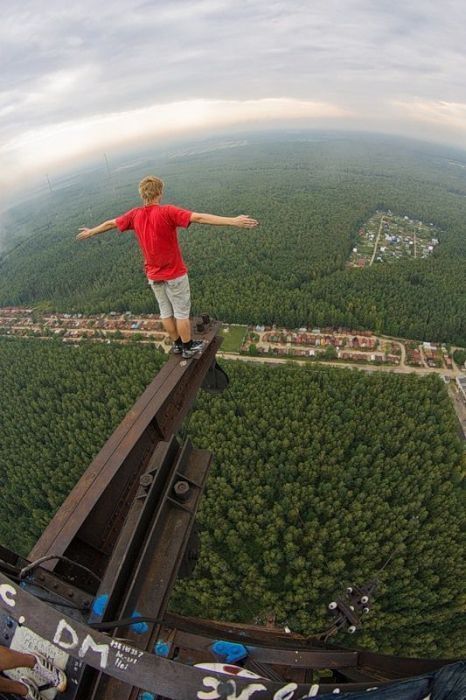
{"type": "Point", "coordinates": [242, 221]}
{"type": "Point", "coordinates": [89, 232]}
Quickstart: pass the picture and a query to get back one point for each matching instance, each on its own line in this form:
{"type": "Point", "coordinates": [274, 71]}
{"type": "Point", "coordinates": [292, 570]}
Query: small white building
{"type": "Point", "coordinates": [461, 381]}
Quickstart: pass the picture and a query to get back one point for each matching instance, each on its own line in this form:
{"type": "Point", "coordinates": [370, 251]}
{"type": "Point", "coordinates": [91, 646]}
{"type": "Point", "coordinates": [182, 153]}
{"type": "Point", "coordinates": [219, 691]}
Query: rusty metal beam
{"type": "Point", "coordinates": [299, 657]}
{"type": "Point", "coordinates": [159, 558]}
{"type": "Point", "coordinates": [132, 666]}
{"type": "Point", "coordinates": [88, 523]}
{"type": "Point", "coordinates": [236, 631]}
{"type": "Point", "coordinates": [386, 668]}
{"type": "Point", "coordinates": [121, 568]}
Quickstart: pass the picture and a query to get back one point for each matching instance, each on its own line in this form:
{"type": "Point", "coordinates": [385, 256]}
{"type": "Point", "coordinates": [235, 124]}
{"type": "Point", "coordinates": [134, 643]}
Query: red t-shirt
{"type": "Point", "coordinates": [155, 228]}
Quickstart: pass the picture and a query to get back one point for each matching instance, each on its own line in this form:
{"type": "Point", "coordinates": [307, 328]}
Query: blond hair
{"type": "Point", "coordinates": [150, 188]}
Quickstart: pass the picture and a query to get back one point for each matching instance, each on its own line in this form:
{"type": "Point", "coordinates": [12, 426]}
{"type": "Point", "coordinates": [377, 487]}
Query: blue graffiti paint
{"type": "Point", "coordinates": [145, 695]}
{"type": "Point", "coordinates": [229, 651]}
{"type": "Point", "coordinates": [162, 648]}
{"type": "Point", "coordinates": [139, 627]}
{"type": "Point", "coordinates": [100, 603]}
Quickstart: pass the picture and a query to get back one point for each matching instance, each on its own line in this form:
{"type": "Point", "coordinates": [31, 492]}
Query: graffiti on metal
{"type": "Point", "coordinates": [226, 690]}
{"type": "Point", "coordinates": [215, 689]}
{"type": "Point", "coordinates": [67, 638]}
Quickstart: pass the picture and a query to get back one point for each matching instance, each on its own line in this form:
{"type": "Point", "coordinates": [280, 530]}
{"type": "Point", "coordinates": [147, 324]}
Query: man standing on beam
{"type": "Point", "coordinates": [155, 225]}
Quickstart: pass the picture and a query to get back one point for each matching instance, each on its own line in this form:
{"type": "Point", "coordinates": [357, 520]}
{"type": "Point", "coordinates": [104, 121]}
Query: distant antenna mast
{"type": "Point", "coordinates": [109, 173]}
{"type": "Point", "coordinates": [108, 167]}
{"type": "Point", "coordinates": [48, 180]}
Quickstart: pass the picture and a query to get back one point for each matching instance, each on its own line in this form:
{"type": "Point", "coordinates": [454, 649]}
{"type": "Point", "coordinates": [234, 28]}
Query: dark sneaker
{"type": "Point", "coordinates": [33, 691]}
{"type": "Point", "coordinates": [51, 674]}
{"type": "Point", "coordinates": [177, 349]}
{"type": "Point", "coordinates": [196, 346]}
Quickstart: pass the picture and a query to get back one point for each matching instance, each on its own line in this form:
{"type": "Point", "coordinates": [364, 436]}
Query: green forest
{"type": "Point", "coordinates": [59, 403]}
{"type": "Point", "coordinates": [310, 193]}
{"type": "Point", "coordinates": [327, 474]}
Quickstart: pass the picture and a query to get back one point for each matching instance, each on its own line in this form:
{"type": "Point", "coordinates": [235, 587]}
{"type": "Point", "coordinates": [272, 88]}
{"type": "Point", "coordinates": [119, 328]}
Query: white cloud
{"type": "Point", "coordinates": [59, 85]}
{"type": "Point", "coordinates": [80, 76]}
{"type": "Point", "coordinates": [54, 143]}
{"type": "Point", "coordinates": [442, 114]}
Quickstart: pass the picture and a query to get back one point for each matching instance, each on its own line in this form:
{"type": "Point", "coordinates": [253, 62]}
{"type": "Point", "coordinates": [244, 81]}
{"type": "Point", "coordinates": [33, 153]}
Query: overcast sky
{"type": "Point", "coordinates": [78, 77]}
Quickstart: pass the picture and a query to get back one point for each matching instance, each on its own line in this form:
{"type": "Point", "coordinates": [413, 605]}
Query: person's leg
{"type": "Point", "coordinates": [166, 309]}
{"type": "Point", "coordinates": [9, 658]}
{"type": "Point", "coordinates": [179, 294]}
{"type": "Point", "coordinates": [12, 659]}
{"type": "Point", "coordinates": [170, 327]}
{"type": "Point", "coordinates": [183, 326]}
{"type": "Point", "coordinates": [9, 686]}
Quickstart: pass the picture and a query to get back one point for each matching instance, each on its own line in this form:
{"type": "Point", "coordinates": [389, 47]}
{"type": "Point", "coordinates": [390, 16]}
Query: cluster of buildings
{"type": "Point", "coordinates": [326, 343]}
{"type": "Point", "coordinates": [429, 355]}
{"type": "Point", "coordinates": [395, 237]}
{"type": "Point", "coordinates": [436, 356]}
{"type": "Point", "coordinates": [316, 338]}
{"type": "Point", "coordinates": [14, 321]}
{"type": "Point", "coordinates": [345, 344]}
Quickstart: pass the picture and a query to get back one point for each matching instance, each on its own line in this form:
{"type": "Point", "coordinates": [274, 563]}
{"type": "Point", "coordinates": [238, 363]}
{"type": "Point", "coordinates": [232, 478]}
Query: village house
{"type": "Point", "coordinates": [377, 357]}
{"type": "Point", "coordinates": [414, 357]}
{"type": "Point", "coordinates": [394, 359]}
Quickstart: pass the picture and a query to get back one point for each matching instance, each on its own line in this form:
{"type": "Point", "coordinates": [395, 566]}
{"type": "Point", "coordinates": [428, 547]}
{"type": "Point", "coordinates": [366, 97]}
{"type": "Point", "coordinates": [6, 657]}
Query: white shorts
{"type": "Point", "coordinates": [173, 297]}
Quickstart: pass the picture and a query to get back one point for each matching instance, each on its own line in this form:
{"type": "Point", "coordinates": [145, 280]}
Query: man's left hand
{"type": "Point", "coordinates": [83, 233]}
{"type": "Point", "coordinates": [245, 221]}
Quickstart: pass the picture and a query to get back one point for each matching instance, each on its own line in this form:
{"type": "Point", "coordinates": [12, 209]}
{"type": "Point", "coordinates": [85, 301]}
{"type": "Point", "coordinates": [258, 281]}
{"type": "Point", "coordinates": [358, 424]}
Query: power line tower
{"type": "Point", "coordinates": [109, 172]}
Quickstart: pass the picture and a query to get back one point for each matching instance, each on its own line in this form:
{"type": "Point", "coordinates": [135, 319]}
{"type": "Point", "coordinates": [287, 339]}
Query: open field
{"type": "Point", "coordinates": [233, 338]}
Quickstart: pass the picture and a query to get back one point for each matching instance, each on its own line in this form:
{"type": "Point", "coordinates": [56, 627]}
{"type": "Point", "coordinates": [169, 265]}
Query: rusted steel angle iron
{"type": "Point", "coordinates": [297, 658]}
{"type": "Point", "coordinates": [277, 648]}
{"type": "Point", "coordinates": [124, 558]}
{"type": "Point", "coordinates": [111, 480]}
{"type": "Point", "coordinates": [382, 666]}
{"type": "Point", "coordinates": [157, 563]}
{"type": "Point", "coordinates": [135, 667]}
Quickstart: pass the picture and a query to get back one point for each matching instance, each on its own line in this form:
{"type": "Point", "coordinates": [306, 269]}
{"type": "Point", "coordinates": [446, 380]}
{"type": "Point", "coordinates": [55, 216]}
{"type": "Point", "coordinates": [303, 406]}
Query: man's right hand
{"type": "Point", "coordinates": [245, 221]}
{"type": "Point", "coordinates": [85, 232]}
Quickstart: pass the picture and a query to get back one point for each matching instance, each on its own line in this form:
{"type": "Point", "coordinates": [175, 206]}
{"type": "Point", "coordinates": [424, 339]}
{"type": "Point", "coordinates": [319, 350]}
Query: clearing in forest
{"type": "Point", "coordinates": [233, 337]}
{"type": "Point", "coordinates": [388, 237]}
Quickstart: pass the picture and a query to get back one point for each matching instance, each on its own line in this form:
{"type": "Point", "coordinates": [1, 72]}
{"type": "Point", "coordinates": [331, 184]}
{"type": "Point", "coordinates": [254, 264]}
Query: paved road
{"type": "Point", "coordinates": [377, 241]}
{"type": "Point", "coordinates": [460, 408]}
{"type": "Point", "coordinates": [352, 365]}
